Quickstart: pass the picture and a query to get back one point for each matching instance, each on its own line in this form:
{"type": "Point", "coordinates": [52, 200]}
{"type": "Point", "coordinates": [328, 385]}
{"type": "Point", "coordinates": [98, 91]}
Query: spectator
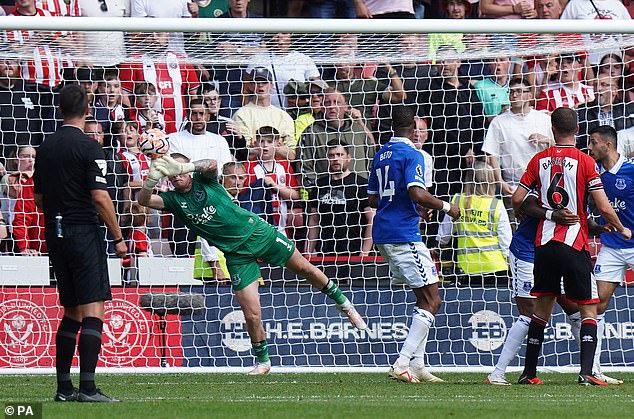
{"type": "Point", "coordinates": [27, 223]}
{"type": "Point", "coordinates": [419, 138]}
{"type": "Point", "coordinates": [276, 175]}
{"type": "Point", "coordinates": [144, 111]}
{"type": "Point", "coordinates": [60, 7]}
{"type": "Point", "coordinates": [218, 124]}
{"type": "Point", "coordinates": [197, 143]}
{"type": "Point", "coordinates": [166, 8]}
{"type": "Point", "coordinates": [507, 9]}
{"type": "Point", "coordinates": [167, 71]}
{"type": "Point", "coordinates": [363, 93]}
{"type": "Point", "coordinates": [283, 64]}
{"type": "Point", "coordinates": [259, 113]}
{"type": "Point", "coordinates": [48, 60]}
{"type": "Point", "coordinates": [340, 220]}
{"type": "Point", "coordinates": [340, 122]}
{"type": "Point", "coordinates": [212, 8]}
{"type": "Point", "coordinates": [136, 164]}
{"type": "Point", "coordinates": [455, 9]}
{"type": "Point", "coordinates": [332, 9]}
{"type": "Point", "coordinates": [483, 232]}
{"type": "Point", "coordinates": [515, 136]}
{"type": "Point", "coordinates": [88, 79]}
{"type": "Point", "coordinates": [493, 91]}
{"type": "Point", "coordinates": [548, 9]}
{"type": "Point", "coordinates": [593, 10]}
{"type": "Point", "coordinates": [613, 65]}
{"type": "Point", "coordinates": [109, 109]}
{"type": "Point", "coordinates": [306, 114]}
{"type": "Point", "coordinates": [625, 140]}
{"type": "Point", "coordinates": [457, 126]}
{"type": "Point", "coordinates": [106, 48]}
{"type": "Point", "coordinates": [234, 175]}
{"type": "Point", "coordinates": [235, 45]}
{"type": "Point", "coordinates": [608, 108]}
{"type": "Point", "coordinates": [138, 242]}
{"type": "Point", "coordinates": [26, 111]}
{"type": "Point", "coordinates": [384, 9]}
{"type": "Point", "coordinates": [568, 91]}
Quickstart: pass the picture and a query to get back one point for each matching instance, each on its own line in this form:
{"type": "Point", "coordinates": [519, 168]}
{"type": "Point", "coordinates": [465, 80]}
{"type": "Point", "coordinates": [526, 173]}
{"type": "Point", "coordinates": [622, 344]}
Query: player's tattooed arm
{"type": "Point", "coordinates": [207, 167]}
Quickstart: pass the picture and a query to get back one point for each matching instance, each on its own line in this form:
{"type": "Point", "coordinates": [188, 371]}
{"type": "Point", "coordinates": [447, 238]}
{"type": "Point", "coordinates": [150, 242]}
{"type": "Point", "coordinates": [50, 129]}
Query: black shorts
{"type": "Point", "coordinates": [80, 263]}
{"type": "Point", "coordinates": [554, 261]}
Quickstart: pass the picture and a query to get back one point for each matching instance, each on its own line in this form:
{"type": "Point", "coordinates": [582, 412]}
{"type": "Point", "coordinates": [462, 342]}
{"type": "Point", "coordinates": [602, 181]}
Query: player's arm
{"type": "Point", "coordinates": [605, 208]}
{"type": "Point", "coordinates": [366, 241]}
{"type": "Point", "coordinates": [423, 198]}
{"type": "Point", "coordinates": [531, 208]}
{"type": "Point", "coordinates": [373, 200]}
{"type": "Point", "coordinates": [167, 166]}
{"type": "Point", "coordinates": [146, 197]}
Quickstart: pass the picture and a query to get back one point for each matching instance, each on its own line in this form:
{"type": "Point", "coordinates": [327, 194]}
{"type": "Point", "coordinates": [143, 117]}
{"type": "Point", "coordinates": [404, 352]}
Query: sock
{"type": "Point", "coordinates": [511, 348]}
{"type": "Point", "coordinates": [534, 345]}
{"type": "Point", "coordinates": [425, 322]}
{"type": "Point", "coordinates": [332, 291]}
{"type": "Point", "coordinates": [65, 342]}
{"type": "Point", "coordinates": [596, 367]}
{"type": "Point", "coordinates": [575, 325]}
{"type": "Point", "coordinates": [588, 344]}
{"type": "Point", "coordinates": [422, 320]}
{"type": "Point", "coordinates": [89, 348]}
{"type": "Point", "coordinates": [261, 351]}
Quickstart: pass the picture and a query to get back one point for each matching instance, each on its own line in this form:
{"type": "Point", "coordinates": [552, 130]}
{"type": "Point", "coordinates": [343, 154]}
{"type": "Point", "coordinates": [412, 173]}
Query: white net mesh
{"type": "Point", "coordinates": [194, 84]}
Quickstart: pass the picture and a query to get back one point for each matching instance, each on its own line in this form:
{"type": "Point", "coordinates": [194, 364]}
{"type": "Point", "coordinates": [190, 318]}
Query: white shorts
{"type": "Point", "coordinates": [522, 274]}
{"type": "Point", "coordinates": [410, 263]}
{"type": "Point", "coordinates": [612, 263]}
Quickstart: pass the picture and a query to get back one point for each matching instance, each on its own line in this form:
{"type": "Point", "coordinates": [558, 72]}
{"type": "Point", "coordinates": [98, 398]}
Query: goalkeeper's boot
{"type": "Point", "coordinates": [424, 376]}
{"type": "Point", "coordinates": [590, 380]}
{"type": "Point", "coordinates": [354, 316]}
{"type": "Point", "coordinates": [530, 381]}
{"type": "Point", "coordinates": [601, 376]}
{"type": "Point", "coordinates": [400, 374]}
{"type": "Point", "coordinates": [66, 397]}
{"type": "Point", "coordinates": [497, 380]}
{"type": "Point", "coordinates": [96, 397]}
{"type": "Point", "coordinates": [261, 368]}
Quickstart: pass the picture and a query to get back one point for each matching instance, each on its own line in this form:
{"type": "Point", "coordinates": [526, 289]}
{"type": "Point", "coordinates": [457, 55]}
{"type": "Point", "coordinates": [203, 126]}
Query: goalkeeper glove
{"type": "Point", "coordinates": [170, 167]}
{"type": "Point", "coordinates": [153, 177]}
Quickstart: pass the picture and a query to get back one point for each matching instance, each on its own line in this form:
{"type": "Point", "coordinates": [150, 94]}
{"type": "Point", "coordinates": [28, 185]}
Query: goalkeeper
{"type": "Point", "coordinates": [201, 202]}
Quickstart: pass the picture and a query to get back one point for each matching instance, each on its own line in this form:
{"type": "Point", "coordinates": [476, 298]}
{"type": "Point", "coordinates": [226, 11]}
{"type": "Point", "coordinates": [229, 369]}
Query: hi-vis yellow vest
{"type": "Point", "coordinates": [478, 244]}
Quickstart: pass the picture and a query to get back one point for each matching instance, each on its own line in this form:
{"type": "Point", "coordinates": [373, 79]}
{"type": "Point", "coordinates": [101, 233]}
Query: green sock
{"type": "Point", "coordinates": [261, 351]}
{"type": "Point", "coordinates": [332, 291]}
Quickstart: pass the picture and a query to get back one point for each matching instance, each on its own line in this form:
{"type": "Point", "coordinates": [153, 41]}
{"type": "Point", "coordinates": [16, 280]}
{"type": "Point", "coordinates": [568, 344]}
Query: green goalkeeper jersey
{"type": "Point", "coordinates": [208, 210]}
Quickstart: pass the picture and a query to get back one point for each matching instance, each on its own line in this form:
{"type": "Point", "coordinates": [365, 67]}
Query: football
{"type": "Point", "coordinates": [153, 143]}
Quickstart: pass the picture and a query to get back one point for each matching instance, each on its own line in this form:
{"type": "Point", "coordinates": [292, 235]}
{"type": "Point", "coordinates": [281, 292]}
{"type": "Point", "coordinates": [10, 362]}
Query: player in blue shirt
{"type": "Point", "coordinates": [616, 254]}
{"type": "Point", "coordinates": [396, 187]}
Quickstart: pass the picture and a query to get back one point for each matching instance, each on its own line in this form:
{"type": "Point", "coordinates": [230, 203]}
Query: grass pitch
{"type": "Point", "coordinates": [340, 396]}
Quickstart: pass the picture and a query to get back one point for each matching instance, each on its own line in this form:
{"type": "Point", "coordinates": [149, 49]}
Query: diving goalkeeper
{"type": "Point", "coordinates": [202, 203]}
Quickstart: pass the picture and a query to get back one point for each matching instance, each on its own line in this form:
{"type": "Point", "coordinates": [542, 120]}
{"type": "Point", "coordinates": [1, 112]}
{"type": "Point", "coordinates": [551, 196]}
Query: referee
{"type": "Point", "coordinates": [70, 188]}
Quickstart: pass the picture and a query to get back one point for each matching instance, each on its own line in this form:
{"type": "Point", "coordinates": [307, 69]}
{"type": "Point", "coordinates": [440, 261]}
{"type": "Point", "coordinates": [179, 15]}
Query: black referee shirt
{"type": "Point", "coordinates": [69, 164]}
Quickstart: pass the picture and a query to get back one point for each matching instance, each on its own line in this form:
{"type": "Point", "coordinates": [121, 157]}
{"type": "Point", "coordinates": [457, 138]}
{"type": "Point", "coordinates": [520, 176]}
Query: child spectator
{"type": "Point", "coordinates": [136, 164]}
{"type": "Point", "coordinates": [108, 107]}
{"type": "Point", "coordinates": [144, 112]}
{"type": "Point", "coordinates": [275, 174]}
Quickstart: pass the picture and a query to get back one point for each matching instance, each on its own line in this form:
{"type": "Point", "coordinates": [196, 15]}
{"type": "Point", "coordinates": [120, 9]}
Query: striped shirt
{"type": "Point", "coordinates": [559, 95]}
{"type": "Point", "coordinates": [562, 177]}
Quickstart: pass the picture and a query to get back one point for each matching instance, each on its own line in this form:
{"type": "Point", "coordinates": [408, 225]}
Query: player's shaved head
{"type": "Point", "coordinates": [564, 121]}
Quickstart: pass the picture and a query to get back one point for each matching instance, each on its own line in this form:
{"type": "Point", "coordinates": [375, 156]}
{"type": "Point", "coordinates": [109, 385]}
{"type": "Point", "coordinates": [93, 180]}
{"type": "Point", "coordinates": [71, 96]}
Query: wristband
{"type": "Point", "coordinates": [188, 167]}
{"type": "Point", "coordinates": [446, 206]}
{"type": "Point", "coordinates": [119, 240]}
{"type": "Point", "coordinates": [549, 214]}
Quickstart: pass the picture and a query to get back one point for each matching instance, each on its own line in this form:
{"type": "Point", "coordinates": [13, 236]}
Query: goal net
{"type": "Point", "coordinates": [328, 90]}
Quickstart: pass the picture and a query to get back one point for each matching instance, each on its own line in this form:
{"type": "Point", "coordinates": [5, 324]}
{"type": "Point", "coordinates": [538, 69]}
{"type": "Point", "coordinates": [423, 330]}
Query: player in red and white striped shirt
{"type": "Point", "coordinates": [48, 61]}
{"type": "Point", "coordinates": [173, 78]}
{"type": "Point", "coordinates": [563, 177]}
{"type": "Point", "coordinates": [568, 92]}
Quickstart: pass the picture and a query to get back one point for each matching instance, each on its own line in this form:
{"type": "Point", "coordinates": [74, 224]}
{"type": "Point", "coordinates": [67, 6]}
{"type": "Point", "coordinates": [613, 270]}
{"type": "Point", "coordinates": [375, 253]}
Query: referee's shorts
{"type": "Point", "coordinates": [554, 261]}
{"type": "Point", "coordinates": [80, 264]}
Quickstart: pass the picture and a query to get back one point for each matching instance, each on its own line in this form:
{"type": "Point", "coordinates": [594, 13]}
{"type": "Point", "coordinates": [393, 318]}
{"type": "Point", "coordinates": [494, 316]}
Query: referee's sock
{"type": "Point", "coordinates": [89, 348]}
{"type": "Point", "coordinates": [588, 344]}
{"type": "Point", "coordinates": [534, 345]}
{"type": "Point", "coordinates": [65, 342]}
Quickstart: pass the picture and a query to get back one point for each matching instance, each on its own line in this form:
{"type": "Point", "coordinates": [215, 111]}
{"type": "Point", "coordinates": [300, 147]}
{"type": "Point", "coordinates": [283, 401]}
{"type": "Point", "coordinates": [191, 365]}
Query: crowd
{"type": "Point", "coordinates": [296, 137]}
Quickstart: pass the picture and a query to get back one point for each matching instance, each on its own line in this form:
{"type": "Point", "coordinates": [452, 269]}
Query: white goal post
{"type": "Point", "coordinates": [305, 333]}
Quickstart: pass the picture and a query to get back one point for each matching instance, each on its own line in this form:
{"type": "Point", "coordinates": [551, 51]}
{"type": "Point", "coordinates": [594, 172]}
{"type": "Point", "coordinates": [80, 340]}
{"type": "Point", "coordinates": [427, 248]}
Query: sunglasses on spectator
{"type": "Point", "coordinates": [104, 6]}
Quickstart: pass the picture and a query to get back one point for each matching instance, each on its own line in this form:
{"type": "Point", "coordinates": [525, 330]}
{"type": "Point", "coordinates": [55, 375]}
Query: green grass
{"type": "Point", "coordinates": [328, 395]}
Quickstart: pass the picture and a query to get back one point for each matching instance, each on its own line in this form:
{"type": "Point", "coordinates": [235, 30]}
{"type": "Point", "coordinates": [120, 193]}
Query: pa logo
{"type": "Point", "coordinates": [488, 330]}
{"type": "Point", "coordinates": [233, 329]}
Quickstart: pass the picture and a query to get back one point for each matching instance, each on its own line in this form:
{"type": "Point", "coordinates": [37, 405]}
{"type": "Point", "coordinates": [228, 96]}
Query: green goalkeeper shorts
{"type": "Point", "coordinates": [265, 244]}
